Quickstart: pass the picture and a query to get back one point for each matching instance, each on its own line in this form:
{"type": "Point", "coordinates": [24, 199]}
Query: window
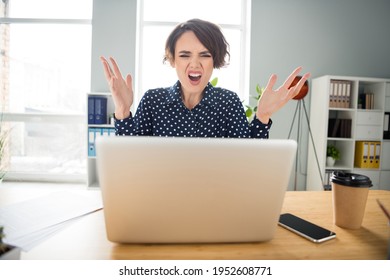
{"type": "Point", "coordinates": [155, 26]}
{"type": "Point", "coordinates": [45, 75]}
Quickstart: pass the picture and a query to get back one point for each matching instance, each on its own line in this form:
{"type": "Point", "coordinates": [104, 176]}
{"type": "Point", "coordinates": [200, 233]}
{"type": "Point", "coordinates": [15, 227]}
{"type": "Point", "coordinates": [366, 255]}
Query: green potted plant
{"type": "Point", "coordinates": [332, 154]}
{"type": "Point", "coordinates": [251, 111]}
{"type": "Point", "coordinates": [8, 252]}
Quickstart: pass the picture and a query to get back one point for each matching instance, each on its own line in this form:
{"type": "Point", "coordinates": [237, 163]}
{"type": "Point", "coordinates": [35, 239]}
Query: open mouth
{"type": "Point", "coordinates": [194, 77]}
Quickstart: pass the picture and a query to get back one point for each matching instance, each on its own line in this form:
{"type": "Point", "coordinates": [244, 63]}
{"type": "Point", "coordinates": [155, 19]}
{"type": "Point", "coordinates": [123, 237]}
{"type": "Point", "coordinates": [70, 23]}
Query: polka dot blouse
{"type": "Point", "coordinates": [220, 113]}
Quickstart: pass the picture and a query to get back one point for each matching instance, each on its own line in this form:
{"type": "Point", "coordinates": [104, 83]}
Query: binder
{"type": "Point", "coordinates": [362, 101]}
{"type": "Point", "coordinates": [339, 94]}
{"type": "Point", "coordinates": [91, 110]}
{"type": "Point", "coordinates": [340, 128]}
{"type": "Point", "coordinates": [106, 132]}
{"type": "Point", "coordinates": [332, 93]}
{"type": "Point", "coordinates": [377, 154]}
{"type": "Point", "coordinates": [331, 124]}
{"type": "Point", "coordinates": [346, 132]}
{"type": "Point", "coordinates": [91, 142]}
{"type": "Point", "coordinates": [335, 131]}
{"type": "Point", "coordinates": [371, 154]}
{"type": "Point", "coordinates": [386, 126]}
{"type": "Point", "coordinates": [362, 154]}
{"type": "Point", "coordinates": [348, 93]}
{"type": "Point", "coordinates": [368, 101]}
{"type": "Point", "coordinates": [98, 133]}
{"type": "Point", "coordinates": [344, 95]}
{"type": "Point", "coordinates": [93, 134]}
{"type": "Point", "coordinates": [111, 131]}
{"type": "Point", "coordinates": [100, 110]}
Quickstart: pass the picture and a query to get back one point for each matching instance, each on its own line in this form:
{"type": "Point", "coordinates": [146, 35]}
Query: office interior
{"type": "Point", "coordinates": [340, 38]}
{"type": "Point", "coordinates": [326, 38]}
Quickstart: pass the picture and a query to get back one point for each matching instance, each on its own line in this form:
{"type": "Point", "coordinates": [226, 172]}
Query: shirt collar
{"type": "Point", "coordinates": [173, 95]}
{"type": "Point", "coordinates": [209, 98]}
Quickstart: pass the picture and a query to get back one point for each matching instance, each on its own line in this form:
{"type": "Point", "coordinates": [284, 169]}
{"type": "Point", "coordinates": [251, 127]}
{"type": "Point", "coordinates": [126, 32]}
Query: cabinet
{"type": "Point", "coordinates": [100, 111]}
{"type": "Point", "coordinates": [360, 119]}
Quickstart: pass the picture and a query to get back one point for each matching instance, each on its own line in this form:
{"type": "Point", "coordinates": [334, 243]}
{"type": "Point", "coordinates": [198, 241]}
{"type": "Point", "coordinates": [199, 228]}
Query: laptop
{"type": "Point", "coordinates": [192, 190]}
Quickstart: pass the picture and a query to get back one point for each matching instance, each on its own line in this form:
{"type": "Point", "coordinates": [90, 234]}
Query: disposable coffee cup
{"type": "Point", "coordinates": [350, 193]}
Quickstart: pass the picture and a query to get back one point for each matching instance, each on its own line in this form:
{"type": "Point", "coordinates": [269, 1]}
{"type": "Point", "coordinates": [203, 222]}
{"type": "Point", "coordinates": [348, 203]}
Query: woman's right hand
{"type": "Point", "coordinates": [121, 89]}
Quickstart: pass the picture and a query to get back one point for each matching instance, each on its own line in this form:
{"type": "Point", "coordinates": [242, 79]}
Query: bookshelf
{"type": "Point", "coordinates": [345, 111]}
{"type": "Point", "coordinates": [103, 127]}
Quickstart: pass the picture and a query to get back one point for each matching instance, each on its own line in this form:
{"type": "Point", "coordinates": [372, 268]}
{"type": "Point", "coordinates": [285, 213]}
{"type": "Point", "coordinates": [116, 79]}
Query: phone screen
{"type": "Point", "coordinates": [305, 228]}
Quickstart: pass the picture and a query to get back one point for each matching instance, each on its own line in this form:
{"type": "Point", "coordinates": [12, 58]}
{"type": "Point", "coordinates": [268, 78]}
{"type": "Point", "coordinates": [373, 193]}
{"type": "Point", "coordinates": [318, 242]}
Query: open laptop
{"type": "Point", "coordinates": [191, 190]}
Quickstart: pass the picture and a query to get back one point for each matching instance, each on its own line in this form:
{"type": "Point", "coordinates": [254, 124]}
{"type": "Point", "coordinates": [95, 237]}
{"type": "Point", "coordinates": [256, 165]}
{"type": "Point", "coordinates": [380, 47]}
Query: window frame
{"type": "Point", "coordinates": [243, 27]}
{"type": "Point", "coordinates": [36, 117]}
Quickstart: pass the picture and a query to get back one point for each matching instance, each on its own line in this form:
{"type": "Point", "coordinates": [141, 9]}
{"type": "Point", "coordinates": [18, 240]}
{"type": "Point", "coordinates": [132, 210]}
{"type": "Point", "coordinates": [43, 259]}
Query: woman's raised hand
{"type": "Point", "coordinates": [272, 100]}
{"type": "Point", "coordinates": [121, 89]}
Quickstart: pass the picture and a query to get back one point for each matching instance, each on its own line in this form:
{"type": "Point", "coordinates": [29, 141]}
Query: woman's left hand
{"type": "Point", "coordinates": [272, 100]}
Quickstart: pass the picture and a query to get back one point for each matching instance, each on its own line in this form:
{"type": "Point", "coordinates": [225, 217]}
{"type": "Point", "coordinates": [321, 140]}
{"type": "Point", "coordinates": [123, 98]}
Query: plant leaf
{"type": "Point", "coordinates": [248, 112]}
{"type": "Point", "coordinates": [214, 81]}
{"type": "Point", "coordinates": [258, 89]}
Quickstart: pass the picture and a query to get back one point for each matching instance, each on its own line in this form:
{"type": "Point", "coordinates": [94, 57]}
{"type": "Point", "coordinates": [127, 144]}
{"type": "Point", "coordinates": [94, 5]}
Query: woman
{"type": "Point", "coordinates": [193, 107]}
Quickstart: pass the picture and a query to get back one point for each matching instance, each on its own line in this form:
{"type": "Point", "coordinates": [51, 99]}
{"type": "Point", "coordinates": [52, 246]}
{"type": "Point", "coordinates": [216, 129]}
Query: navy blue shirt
{"type": "Point", "coordinates": [220, 113]}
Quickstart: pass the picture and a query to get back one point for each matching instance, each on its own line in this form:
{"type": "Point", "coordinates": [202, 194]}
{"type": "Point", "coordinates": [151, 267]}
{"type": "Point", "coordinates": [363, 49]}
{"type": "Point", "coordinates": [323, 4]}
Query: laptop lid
{"type": "Point", "coordinates": [189, 190]}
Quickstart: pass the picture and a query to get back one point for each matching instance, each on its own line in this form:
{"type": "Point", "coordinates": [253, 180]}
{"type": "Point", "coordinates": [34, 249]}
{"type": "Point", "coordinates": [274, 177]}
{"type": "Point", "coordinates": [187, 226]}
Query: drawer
{"type": "Point", "coordinates": [368, 132]}
{"type": "Point", "coordinates": [369, 118]}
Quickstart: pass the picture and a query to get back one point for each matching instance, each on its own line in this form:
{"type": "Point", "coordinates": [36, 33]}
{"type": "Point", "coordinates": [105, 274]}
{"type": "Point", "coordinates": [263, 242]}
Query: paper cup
{"type": "Point", "coordinates": [350, 193]}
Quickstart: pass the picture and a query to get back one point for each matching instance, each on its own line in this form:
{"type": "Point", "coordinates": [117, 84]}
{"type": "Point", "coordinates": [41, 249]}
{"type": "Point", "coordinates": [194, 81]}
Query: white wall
{"type": "Point", "coordinates": [113, 34]}
{"type": "Point", "coordinates": [338, 37]}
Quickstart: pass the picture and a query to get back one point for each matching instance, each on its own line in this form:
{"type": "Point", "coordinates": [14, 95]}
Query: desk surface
{"type": "Point", "coordinates": [86, 238]}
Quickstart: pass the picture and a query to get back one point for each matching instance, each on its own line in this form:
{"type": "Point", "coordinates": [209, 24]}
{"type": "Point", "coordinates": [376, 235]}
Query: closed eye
{"type": "Point", "coordinates": [205, 54]}
{"type": "Point", "coordinates": [188, 54]}
{"type": "Point", "coordinates": [184, 54]}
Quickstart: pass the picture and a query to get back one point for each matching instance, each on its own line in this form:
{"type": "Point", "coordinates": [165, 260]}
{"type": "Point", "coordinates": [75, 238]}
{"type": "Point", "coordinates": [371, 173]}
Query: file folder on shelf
{"type": "Point", "coordinates": [371, 154]}
{"type": "Point", "coordinates": [386, 126]}
{"type": "Point", "coordinates": [340, 94]}
{"type": "Point", "coordinates": [93, 134]}
{"type": "Point", "coordinates": [362, 154]}
{"type": "Point", "coordinates": [348, 95]}
{"type": "Point", "coordinates": [91, 142]}
{"type": "Point", "coordinates": [340, 128]}
{"type": "Point", "coordinates": [91, 110]}
{"type": "Point", "coordinates": [332, 97]}
{"type": "Point", "coordinates": [377, 155]}
{"type": "Point", "coordinates": [100, 110]}
{"type": "Point", "coordinates": [367, 154]}
{"type": "Point", "coordinates": [97, 110]}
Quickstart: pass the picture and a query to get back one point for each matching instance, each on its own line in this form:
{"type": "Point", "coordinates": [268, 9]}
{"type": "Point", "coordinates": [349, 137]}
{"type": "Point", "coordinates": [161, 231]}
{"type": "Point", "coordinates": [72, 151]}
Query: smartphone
{"type": "Point", "coordinates": [305, 229]}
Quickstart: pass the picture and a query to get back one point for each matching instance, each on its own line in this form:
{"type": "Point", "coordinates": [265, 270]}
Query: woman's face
{"type": "Point", "coordinates": [193, 63]}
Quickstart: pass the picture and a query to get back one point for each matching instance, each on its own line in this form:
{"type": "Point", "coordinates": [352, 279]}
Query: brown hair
{"type": "Point", "coordinates": [209, 34]}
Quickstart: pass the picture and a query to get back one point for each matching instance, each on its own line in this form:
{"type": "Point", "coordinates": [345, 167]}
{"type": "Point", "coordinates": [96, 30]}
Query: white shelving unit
{"type": "Point", "coordinates": [366, 125]}
{"type": "Point", "coordinates": [92, 176]}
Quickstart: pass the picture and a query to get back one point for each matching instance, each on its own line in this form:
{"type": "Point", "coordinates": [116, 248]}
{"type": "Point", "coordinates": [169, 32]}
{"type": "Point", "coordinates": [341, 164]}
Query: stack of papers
{"type": "Point", "coordinates": [30, 222]}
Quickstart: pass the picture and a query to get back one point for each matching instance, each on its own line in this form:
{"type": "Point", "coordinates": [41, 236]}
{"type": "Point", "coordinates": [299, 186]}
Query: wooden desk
{"type": "Point", "coordinates": [86, 239]}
